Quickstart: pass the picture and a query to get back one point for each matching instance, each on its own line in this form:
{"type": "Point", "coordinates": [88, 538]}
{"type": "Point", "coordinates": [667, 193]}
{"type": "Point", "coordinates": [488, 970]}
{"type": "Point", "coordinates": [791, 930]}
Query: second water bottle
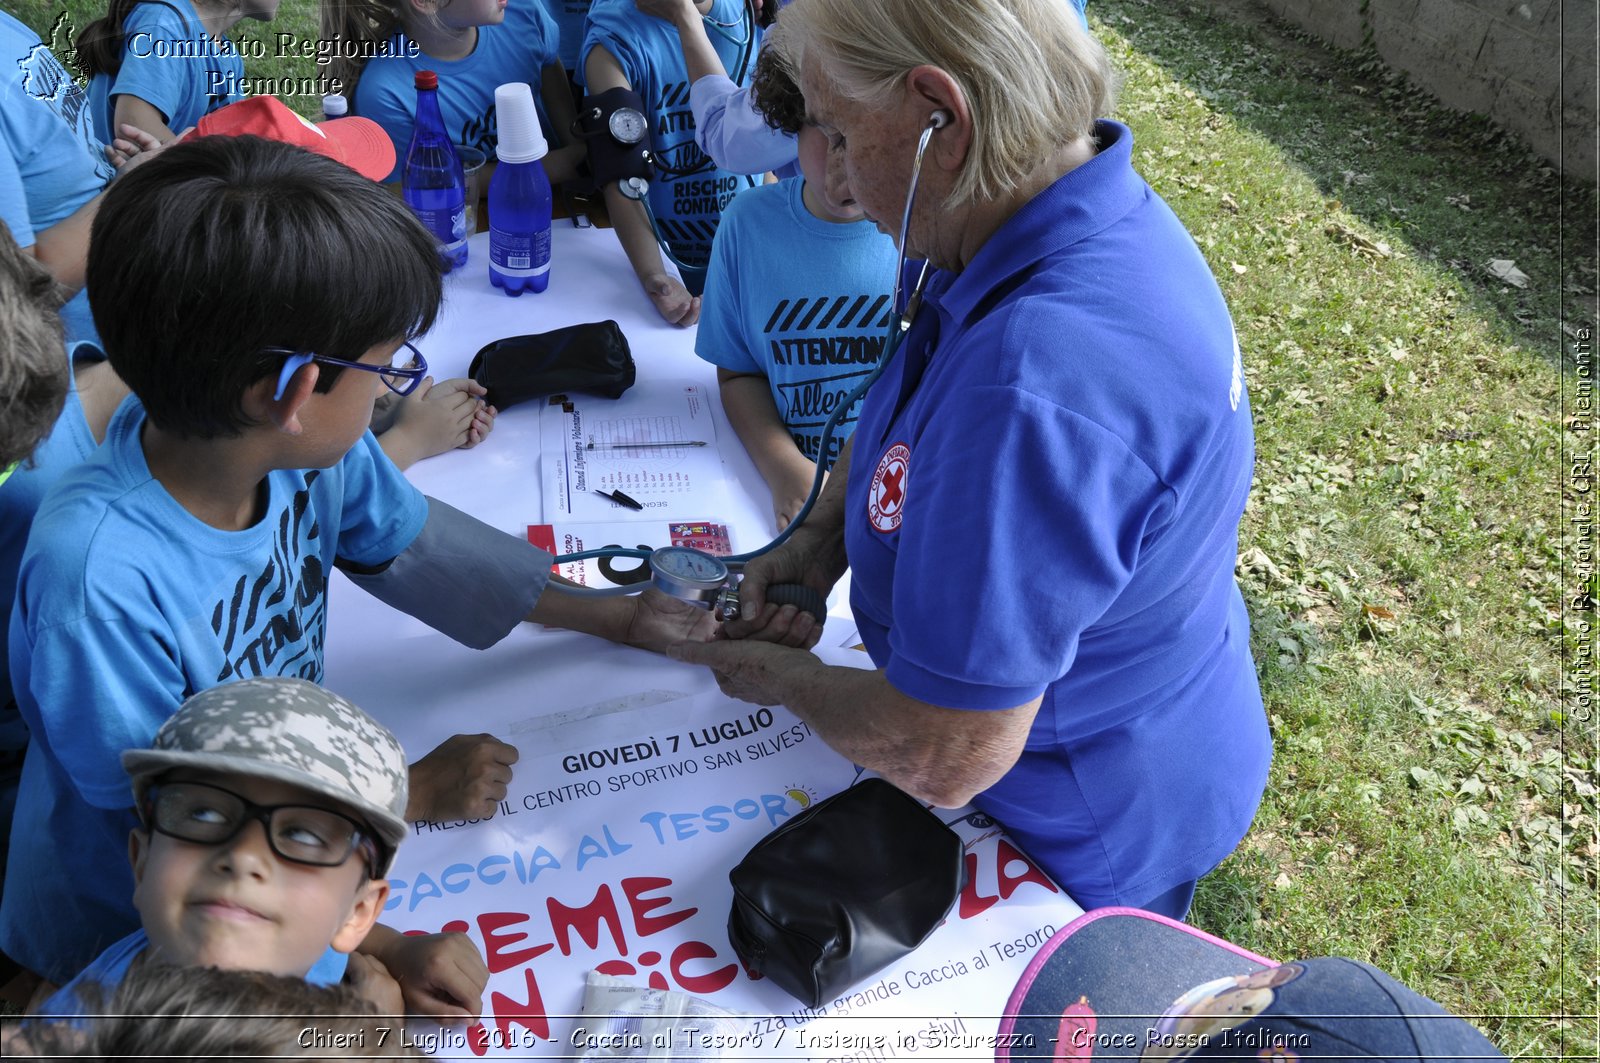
{"type": "Point", "coordinates": [519, 196]}
{"type": "Point", "coordinates": [432, 181]}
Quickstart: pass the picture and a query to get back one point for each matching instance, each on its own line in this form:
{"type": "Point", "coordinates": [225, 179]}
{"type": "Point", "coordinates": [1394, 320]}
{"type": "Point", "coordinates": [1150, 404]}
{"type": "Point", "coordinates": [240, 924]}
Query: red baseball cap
{"type": "Point", "coordinates": [359, 143]}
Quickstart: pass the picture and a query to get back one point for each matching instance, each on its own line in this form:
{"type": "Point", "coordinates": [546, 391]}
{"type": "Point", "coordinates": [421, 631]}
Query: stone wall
{"type": "Point", "coordinates": [1528, 65]}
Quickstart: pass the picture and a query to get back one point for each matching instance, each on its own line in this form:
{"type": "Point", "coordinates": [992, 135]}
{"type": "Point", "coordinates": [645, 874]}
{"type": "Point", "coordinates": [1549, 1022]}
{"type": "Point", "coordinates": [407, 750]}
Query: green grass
{"type": "Point", "coordinates": [1431, 809]}
{"type": "Point", "coordinates": [295, 17]}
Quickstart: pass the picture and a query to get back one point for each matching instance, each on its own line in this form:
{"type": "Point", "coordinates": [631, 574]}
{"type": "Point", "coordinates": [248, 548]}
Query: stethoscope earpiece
{"type": "Point", "coordinates": [938, 119]}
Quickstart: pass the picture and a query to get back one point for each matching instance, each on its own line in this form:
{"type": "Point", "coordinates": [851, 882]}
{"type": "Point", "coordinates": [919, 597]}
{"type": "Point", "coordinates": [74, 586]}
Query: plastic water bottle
{"type": "Point", "coordinates": [519, 196]}
{"type": "Point", "coordinates": [334, 105]}
{"type": "Point", "coordinates": [432, 181]}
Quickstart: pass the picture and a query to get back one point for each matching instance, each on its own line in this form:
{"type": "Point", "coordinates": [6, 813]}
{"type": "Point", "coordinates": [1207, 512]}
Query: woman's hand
{"type": "Point", "coordinates": [808, 559]}
{"type": "Point", "coordinates": [753, 671]}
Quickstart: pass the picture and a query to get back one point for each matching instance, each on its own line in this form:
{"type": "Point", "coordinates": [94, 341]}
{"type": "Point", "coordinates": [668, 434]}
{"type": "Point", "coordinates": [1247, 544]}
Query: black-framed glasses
{"type": "Point", "coordinates": [301, 834]}
{"type": "Point", "coordinates": [402, 378]}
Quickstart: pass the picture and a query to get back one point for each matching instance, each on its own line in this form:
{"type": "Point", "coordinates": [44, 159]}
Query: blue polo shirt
{"type": "Point", "coordinates": [1056, 462]}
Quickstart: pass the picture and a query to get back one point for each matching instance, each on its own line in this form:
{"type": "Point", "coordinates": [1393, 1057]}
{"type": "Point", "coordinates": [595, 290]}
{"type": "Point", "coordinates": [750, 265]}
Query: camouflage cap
{"type": "Point", "coordinates": [289, 730]}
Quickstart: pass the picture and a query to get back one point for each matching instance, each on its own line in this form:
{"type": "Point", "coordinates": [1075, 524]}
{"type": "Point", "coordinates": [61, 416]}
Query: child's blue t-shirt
{"type": "Point", "coordinates": [127, 604]}
{"type": "Point", "coordinates": [800, 300]}
{"type": "Point", "coordinates": [170, 62]}
{"type": "Point", "coordinates": [518, 49]}
{"type": "Point", "coordinates": [111, 967]}
{"type": "Point", "coordinates": [68, 443]}
{"type": "Point", "coordinates": [687, 208]}
{"type": "Point", "coordinates": [568, 15]}
{"type": "Point", "coordinates": [53, 162]}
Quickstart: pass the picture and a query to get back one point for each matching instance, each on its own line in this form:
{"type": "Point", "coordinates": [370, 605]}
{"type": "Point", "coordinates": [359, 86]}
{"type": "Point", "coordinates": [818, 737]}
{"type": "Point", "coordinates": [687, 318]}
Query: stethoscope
{"type": "Point", "coordinates": [746, 23]}
{"type": "Point", "coordinates": [638, 188]}
{"type": "Point", "coordinates": [712, 581]}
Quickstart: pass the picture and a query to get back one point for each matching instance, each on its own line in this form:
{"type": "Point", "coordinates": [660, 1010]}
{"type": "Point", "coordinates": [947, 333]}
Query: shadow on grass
{"type": "Point", "coordinates": [1451, 188]}
{"type": "Point", "coordinates": [1231, 900]}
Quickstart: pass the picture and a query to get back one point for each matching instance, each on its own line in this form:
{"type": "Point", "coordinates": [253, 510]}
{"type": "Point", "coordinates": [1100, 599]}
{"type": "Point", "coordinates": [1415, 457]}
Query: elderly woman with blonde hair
{"type": "Point", "coordinates": [1040, 506]}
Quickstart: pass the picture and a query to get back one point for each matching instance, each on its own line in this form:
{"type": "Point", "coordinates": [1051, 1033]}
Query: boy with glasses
{"type": "Point", "coordinates": [435, 417]}
{"type": "Point", "coordinates": [194, 547]}
{"type": "Point", "coordinates": [269, 811]}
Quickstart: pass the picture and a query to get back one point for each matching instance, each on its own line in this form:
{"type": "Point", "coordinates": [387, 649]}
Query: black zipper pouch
{"type": "Point", "coordinates": [832, 896]}
{"type": "Point", "coordinates": [593, 358]}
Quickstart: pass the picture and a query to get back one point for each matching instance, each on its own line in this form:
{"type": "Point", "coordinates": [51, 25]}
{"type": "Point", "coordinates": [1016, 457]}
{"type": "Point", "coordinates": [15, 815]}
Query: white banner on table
{"type": "Point", "coordinates": [622, 812]}
{"type": "Point", "coordinates": [656, 444]}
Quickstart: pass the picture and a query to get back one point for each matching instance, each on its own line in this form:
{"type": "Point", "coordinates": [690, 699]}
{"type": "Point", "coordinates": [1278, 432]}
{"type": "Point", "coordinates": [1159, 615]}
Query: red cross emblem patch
{"type": "Point", "coordinates": [886, 498]}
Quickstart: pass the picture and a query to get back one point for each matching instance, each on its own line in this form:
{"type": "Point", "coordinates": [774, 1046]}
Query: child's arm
{"type": "Point", "coordinates": [162, 85]}
{"type": "Point", "coordinates": [700, 57]}
{"type": "Point", "coordinates": [650, 620]}
{"type": "Point", "coordinates": [726, 126]}
{"type": "Point", "coordinates": [441, 976]}
{"type": "Point", "coordinates": [474, 583]}
{"type": "Point", "coordinates": [433, 419]}
{"type": "Point", "coordinates": [672, 300]}
{"type": "Point", "coordinates": [133, 111]}
{"type": "Point", "coordinates": [63, 248]}
{"type": "Point", "coordinates": [562, 162]}
{"type": "Point", "coordinates": [747, 400]}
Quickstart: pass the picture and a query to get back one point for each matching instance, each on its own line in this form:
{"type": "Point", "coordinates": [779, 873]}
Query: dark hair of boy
{"type": "Point", "coordinates": [775, 94]}
{"type": "Point", "coordinates": [202, 1013]}
{"type": "Point", "coordinates": [33, 360]}
{"type": "Point", "coordinates": [221, 247]}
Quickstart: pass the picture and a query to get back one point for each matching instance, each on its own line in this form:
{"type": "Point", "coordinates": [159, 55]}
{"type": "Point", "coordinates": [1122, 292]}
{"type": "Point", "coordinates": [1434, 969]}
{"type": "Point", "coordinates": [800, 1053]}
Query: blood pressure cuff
{"type": "Point", "coordinates": [610, 159]}
{"type": "Point", "coordinates": [843, 889]}
{"type": "Point", "coordinates": [592, 358]}
{"type": "Point", "coordinates": [460, 577]}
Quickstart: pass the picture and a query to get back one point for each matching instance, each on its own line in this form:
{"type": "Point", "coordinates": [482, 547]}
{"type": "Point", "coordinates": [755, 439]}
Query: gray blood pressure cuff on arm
{"type": "Point", "coordinates": [460, 577]}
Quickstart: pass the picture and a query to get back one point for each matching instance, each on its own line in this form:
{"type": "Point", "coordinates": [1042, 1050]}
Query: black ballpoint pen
{"type": "Point", "coordinates": [620, 499]}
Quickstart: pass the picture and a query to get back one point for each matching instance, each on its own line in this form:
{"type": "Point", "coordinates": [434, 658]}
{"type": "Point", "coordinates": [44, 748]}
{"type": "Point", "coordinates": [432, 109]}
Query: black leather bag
{"type": "Point", "coordinates": [593, 358]}
{"type": "Point", "coordinates": [845, 888]}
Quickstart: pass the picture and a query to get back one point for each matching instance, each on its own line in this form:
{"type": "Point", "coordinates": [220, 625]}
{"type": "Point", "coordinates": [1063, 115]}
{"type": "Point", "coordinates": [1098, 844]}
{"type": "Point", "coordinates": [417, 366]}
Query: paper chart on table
{"type": "Point", "coordinates": [657, 444]}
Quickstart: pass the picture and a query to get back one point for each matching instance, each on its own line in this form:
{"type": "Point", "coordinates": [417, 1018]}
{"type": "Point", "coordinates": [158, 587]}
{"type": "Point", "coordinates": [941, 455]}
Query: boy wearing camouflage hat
{"type": "Point", "coordinates": [269, 812]}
